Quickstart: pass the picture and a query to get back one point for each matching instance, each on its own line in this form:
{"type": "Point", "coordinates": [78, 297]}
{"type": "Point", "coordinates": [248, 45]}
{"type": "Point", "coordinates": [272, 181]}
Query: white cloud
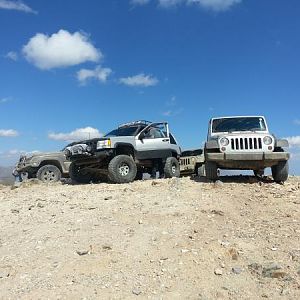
{"type": "Point", "coordinates": [139, 80]}
{"type": "Point", "coordinates": [169, 3]}
{"type": "Point", "coordinates": [139, 2]}
{"type": "Point", "coordinates": [172, 101]}
{"type": "Point", "coordinates": [295, 156]}
{"type": "Point", "coordinates": [61, 49]}
{"type": "Point", "coordinates": [76, 135]}
{"type": "Point", "coordinates": [167, 113]}
{"type": "Point", "coordinates": [12, 55]}
{"type": "Point", "coordinates": [172, 112]}
{"type": "Point", "coordinates": [8, 133]}
{"type": "Point", "coordinates": [16, 5]}
{"type": "Point", "coordinates": [14, 153]}
{"type": "Point", "coordinates": [4, 100]}
{"type": "Point", "coordinates": [297, 122]}
{"type": "Point", "coordinates": [215, 5]}
{"type": "Point", "coordinates": [294, 141]}
{"type": "Point", "coordinates": [172, 108]}
{"type": "Point", "coordinates": [99, 73]}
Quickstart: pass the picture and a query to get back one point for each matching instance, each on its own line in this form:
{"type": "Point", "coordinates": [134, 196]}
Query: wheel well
{"type": "Point", "coordinates": [51, 162]}
{"type": "Point", "coordinates": [125, 149]}
{"type": "Point", "coordinates": [174, 154]}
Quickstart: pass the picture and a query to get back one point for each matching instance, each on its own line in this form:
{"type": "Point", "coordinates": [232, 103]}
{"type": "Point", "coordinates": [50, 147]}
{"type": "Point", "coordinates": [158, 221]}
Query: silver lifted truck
{"type": "Point", "coordinates": [125, 153]}
{"type": "Point", "coordinates": [244, 143]}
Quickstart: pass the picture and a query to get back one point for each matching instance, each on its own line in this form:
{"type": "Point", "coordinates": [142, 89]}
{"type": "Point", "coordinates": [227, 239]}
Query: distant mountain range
{"type": "Point", "coordinates": [6, 175]}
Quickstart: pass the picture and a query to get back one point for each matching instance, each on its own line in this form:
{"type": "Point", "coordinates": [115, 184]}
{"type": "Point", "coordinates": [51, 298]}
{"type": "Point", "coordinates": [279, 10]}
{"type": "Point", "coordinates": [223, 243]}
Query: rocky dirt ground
{"type": "Point", "coordinates": [183, 238]}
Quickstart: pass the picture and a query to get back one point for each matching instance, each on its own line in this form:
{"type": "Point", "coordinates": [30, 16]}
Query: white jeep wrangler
{"type": "Point", "coordinates": [244, 143]}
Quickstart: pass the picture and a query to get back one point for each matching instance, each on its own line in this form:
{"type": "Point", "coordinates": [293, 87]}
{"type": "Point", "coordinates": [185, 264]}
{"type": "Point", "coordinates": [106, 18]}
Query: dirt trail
{"type": "Point", "coordinates": [161, 239]}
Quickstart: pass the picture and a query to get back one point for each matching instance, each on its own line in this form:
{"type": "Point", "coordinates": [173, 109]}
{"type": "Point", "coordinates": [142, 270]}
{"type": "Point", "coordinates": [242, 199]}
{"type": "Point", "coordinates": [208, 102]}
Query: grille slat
{"type": "Point", "coordinates": [185, 161]}
{"type": "Point", "coordinates": [246, 143]}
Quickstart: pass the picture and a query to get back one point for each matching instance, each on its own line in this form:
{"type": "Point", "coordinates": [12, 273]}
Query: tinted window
{"type": "Point", "coordinates": [172, 140]}
{"type": "Point", "coordinates": [124, 131]}
{"type": "Point", "coordinates": [238, 124]}
{"type": "Point", "coordinates": [154, 133]}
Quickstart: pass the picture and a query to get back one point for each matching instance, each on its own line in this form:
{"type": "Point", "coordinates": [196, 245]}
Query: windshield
{"type": "Point", "coordinates": [238, 124]}
{"type": "Point", "coordinates": [123, 131]}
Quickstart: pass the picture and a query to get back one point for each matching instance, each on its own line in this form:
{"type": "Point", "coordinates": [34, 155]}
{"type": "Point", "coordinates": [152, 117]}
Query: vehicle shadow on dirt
{"type": "Point", "coordinates": [235, 179]}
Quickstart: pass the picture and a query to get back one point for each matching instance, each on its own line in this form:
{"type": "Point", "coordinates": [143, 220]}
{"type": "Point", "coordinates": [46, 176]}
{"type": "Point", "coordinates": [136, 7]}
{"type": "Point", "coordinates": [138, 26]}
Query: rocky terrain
{"type": "Point", "coordinates": [238, 238]}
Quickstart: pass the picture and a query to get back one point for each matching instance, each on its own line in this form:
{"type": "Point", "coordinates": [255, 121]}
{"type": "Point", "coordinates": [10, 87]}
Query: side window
{"type": "Point", "coordinates": [172, 140]}
{"type": "Point", "coordinates": [154, 133]}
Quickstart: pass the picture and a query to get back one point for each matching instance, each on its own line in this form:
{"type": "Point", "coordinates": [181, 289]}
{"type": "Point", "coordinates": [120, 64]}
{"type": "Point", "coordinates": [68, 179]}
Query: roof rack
{"type": "Point", "coordinates": [135, 123]}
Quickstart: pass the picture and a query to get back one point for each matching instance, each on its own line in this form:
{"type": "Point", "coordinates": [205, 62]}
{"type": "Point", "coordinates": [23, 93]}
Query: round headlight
{"type": "Point", "coordinates": [67, 152]}
{"type": "Point", "coordinates": [224, 142]}
{"type": "Point", "coordinates": [268, 140]}
{"type": "Point", "coordinates": [78, 149]}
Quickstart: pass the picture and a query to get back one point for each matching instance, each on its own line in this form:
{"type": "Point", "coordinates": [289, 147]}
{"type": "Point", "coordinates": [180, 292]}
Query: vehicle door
{"type": "Point", "coordinates": [153, 141]}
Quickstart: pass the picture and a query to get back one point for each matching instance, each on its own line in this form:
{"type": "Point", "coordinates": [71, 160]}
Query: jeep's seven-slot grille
{"type": "Point", "coordinates": [184, 161]}
{"type": "Point", "coordinates": [246, 143]}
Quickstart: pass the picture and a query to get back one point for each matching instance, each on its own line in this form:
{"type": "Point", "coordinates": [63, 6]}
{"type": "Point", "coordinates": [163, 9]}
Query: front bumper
{"type": "Point", "coordinates": [99, 155]}
{"type": "Point", "coordinates": [272, 156]}
{"type": "Point", "coordinates": [24, 167]}
{"type": "Point", "coordinates": [15, 172]}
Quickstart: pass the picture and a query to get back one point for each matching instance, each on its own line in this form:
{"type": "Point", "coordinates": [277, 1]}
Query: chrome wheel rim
{"type": "Point", "coordinates": [124, 169]}
{"type": "Point", "coordinates": [49, 176]}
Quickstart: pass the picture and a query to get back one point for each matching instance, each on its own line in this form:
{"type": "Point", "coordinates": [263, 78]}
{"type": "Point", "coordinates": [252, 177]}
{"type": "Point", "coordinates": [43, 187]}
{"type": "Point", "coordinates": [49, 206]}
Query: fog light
{"type": "Point", "coordinates": [270, 147]}
{"type": "Point", "coordinates": [223, 149]}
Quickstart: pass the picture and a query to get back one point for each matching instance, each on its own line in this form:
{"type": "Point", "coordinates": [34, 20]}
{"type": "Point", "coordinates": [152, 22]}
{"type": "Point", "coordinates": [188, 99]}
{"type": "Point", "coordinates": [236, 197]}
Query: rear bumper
{"type": "Point", "coordinates": [272, 156]}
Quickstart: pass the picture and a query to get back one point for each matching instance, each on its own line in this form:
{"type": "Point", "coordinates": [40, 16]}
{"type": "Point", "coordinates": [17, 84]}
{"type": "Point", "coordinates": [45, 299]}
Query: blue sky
{"type": "Point", "coordinates": [72, 67]}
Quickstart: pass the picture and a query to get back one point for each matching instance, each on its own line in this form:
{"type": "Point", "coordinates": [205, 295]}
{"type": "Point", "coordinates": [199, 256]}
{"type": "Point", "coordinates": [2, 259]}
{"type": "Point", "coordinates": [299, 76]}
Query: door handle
{"type": "Point", "coordinates": [165, 140]}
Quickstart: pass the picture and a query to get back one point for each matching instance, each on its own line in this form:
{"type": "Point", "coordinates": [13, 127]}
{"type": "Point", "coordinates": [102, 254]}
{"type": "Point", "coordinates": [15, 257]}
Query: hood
{"type": "Point", "coordinates": [49, 154]}
{"type": "Point", "coordinates": [240, 133]}
{"type": "Point", "coordinates": [91, 141]}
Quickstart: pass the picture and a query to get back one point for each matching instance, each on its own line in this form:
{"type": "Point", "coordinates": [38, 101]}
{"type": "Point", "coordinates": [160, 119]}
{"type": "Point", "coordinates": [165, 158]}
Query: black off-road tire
{"type": "Point", "coordinates": [280, 172]}
{"type": "Point", "coordinates": [122, 169]}
{"type": "Point", "coordinates": [171, 168]}
{"type": "Point", "coordinates": [77, 176]}
{"type": "Point", "coordinates": [48, 173]}
{"type": "Point", "coordinates": [211, 170]}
